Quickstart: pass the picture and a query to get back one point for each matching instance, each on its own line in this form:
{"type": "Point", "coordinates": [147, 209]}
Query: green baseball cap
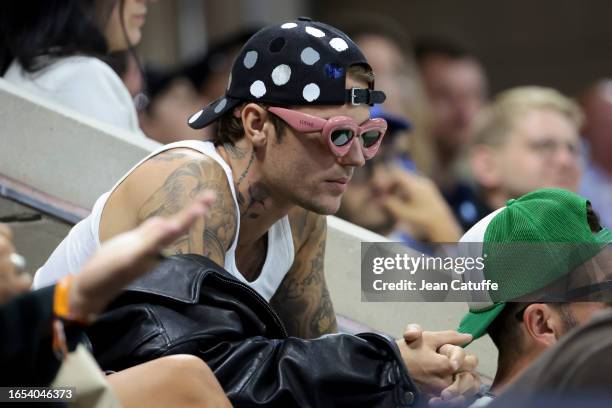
{"type": "Point", "coordinates": [526, 245]}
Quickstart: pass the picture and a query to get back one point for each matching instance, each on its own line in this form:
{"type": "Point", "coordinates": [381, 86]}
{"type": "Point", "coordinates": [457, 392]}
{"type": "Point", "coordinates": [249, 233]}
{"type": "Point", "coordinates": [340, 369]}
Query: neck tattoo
{"type": "Point", "coordinates": [258, 193]}
{"type": "Point", "coordinates": [246, 171]}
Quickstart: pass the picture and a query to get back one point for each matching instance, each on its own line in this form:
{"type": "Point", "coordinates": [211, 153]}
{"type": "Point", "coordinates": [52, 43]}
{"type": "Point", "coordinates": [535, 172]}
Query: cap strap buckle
{"type": "Point", "coordinates": [359, 96]}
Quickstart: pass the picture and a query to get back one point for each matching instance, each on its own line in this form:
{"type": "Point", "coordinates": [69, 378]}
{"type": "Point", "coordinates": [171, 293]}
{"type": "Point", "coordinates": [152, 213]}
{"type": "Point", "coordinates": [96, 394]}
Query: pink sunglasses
{"type": "Point", "coordinates": [338, 132]}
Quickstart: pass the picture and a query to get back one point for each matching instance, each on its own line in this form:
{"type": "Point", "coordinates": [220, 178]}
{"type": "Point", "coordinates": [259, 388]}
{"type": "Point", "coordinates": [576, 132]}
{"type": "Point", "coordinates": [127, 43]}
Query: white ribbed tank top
{"type": "Point", "coordinates": [83, 239]}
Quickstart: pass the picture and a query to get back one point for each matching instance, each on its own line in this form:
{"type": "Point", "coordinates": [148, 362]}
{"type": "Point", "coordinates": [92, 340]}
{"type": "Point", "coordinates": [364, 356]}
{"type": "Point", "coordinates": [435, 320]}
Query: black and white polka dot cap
{"type": "Point", "coordinates": [302, 62]}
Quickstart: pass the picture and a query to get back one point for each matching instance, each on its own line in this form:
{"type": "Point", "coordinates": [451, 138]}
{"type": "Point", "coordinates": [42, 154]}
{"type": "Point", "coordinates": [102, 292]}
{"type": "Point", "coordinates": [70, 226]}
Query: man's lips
{"type": "Point", "coordinates": [339, 185]}
{"type": "Point", "coordinates": [341, 180]}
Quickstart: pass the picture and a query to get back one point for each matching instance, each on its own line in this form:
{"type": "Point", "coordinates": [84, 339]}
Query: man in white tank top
{"type": "Point", "coordinates": [292, 126]}
{"type": "Point", "coordinates": [276, 171]}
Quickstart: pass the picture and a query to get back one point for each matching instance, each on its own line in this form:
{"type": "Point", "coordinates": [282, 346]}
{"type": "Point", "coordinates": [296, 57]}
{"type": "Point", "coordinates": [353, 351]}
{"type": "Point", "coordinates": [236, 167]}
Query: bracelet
{"type": "Point", "coordinates": [61, 303]}
{"type": "Point", "coordinates": [61, 311]}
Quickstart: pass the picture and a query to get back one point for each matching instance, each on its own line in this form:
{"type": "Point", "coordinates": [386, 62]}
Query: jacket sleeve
{"type": "Point", "coordinates": [331, 371]}
{"type": "Point", "coordinates": [337, 370]}
{"type": "Point", "coordinates": [239, 336]}
{"type": "Point", "coordinates": [25, 339]}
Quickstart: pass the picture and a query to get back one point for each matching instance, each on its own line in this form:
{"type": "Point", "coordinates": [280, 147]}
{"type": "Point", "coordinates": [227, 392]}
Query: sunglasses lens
{"type": "Point", "coordinates": [370, 138]}
{"type": "Point", "coordinates": [341, 137]}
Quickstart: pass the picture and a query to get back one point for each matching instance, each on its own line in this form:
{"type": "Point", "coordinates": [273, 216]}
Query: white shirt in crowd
{"type": "Point", "coordinates": [84, 84]}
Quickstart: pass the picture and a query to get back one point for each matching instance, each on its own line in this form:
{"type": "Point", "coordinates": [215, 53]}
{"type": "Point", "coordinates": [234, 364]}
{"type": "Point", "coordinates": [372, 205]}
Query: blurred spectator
{"type": "Point", "coordinates": [56, 49]}
{"type": "Point", "coordinates": [597, 180]}
{"type": "Point", "coordinates": [384, 43]}
{"type": "Point", "coordinates": [209, 74]}
{"type": "Point", "coordinates": [527, 140]}
{"type": "Point", "coordinates": [164, 99]}
{"type": "Point", "coordinates": [457, 89]}
{"type": "Point", "coordinates": [386, 198]}
{"type": "Point", "coordinates": [171, 100]}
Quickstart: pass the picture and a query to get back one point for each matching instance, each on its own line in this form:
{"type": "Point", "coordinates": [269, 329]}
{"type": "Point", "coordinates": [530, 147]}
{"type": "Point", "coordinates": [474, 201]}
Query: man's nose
{"type": "Point", "coordinates": [354, 157]}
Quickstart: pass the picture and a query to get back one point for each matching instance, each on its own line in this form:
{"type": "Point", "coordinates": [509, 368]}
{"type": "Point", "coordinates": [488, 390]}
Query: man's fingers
{"type": "Point", "coordinates": [13, 284]}
{"type": "Point", "coordinates": [20, 283]}
{"type": "Point", "coordinates": [412, 333]}
{"type": "Point", "coordinates": [455, 354]}
{"type": "Point", "coordinates": [437, 384]}
{"type": "Point", "coordinates": [399, 208]}
{"type": "Point", "coordinates": [459, 359]}
{"type": "Point", "coordinates": [6, 232]}
{"type": "Point", "coordinates": [158, 232]}
{"type": "Point", "coordinates": [10, 284]}
{"type": "Point", "coordinates": [452, 403]}
{"type": "Point", "coordinates": [6, 246]}
{"type": "Point", "coordinates": [451, 337]}
{"type": "Point", "coordinates": [470, 362]}
{"type": "Point", "coordinates": [25, 282]}
{"type": "Point", "coordinates": [128, 255]}
{"type": "Point", "coordinates": [465, 384]}
{"type": "Point", "coordinates": [185, 219]}
{"type": "Point", "coordinates": [394, 204]}
{"type": "Point", "coordinates": [403, 179]}
{"type": "Point", "coordinates": [7, 269]}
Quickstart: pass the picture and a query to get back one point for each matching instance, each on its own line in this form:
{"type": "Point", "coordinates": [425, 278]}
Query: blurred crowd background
{"type": "Point", "coordinates": [552, 43]}
{"type": "Point", "coordinates": [462, 143]}
{"type": "Point", "coordinates": [486, 101]}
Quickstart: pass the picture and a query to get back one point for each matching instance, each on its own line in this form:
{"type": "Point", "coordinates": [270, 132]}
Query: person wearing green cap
{"type": "Point", "coordinates": [553, 234]}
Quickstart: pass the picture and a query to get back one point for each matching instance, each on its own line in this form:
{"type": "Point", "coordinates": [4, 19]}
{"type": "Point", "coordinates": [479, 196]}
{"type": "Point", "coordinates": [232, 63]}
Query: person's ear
{"type": "Point", "coordinates": [542, 324]}
{"type": "Point", "coordinates": [484, 165]}
{"type": "Point", "coordinates": [257, 128]}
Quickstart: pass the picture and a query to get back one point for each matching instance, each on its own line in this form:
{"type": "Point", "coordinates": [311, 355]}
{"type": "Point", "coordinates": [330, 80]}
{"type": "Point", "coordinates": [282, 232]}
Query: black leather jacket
{"type": "Point", "coordinates": [190, 305]}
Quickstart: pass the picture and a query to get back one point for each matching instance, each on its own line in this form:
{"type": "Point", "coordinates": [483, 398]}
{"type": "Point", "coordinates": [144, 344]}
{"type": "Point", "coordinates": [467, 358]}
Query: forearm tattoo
{"type": "Point", "coordinates": [303, 300]}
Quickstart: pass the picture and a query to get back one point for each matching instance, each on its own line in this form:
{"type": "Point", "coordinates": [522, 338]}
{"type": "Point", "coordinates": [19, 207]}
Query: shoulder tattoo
{"type": "Point", "coordinates": [213, 235]}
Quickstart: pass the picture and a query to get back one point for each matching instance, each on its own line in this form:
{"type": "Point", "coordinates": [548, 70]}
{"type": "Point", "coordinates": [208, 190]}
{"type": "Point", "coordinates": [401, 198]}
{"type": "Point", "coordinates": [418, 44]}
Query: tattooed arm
{"type": "Point", "coordinates": [302, 300]}
{"type": "Point", "coordinates": [164, 185]}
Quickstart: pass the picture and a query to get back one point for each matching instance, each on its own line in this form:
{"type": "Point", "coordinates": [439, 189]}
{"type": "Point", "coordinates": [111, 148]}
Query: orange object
{"type": "Point", "coordinates": [61, 302]}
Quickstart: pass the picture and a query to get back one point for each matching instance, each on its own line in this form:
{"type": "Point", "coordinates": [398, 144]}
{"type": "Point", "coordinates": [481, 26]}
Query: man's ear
{"type": "Point", "coordinates": [257, 127]}
{"type": "Point", "coordinates": [483, 162]}
{"type": "Point", "coordinates": [542, 324]}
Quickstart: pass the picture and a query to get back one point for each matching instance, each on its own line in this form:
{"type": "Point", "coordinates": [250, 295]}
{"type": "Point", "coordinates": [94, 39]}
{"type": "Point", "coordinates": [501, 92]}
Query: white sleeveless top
{"type": "Point", "coordinates": [86, 85]}
{"type": "Point", "coordinates": [83, 239]}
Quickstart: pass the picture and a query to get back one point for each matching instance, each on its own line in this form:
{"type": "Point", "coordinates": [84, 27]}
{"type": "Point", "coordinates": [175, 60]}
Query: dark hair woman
{"type": "Point", "coordinates": [57, 49]}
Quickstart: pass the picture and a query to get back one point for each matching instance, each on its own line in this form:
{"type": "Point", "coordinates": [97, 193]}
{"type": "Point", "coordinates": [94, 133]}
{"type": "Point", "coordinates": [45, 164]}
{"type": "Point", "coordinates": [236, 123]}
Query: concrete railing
{"type": "Point", "coordinates": [72, 157]}
{"type": "Point", "coordinates": [60, 152]}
